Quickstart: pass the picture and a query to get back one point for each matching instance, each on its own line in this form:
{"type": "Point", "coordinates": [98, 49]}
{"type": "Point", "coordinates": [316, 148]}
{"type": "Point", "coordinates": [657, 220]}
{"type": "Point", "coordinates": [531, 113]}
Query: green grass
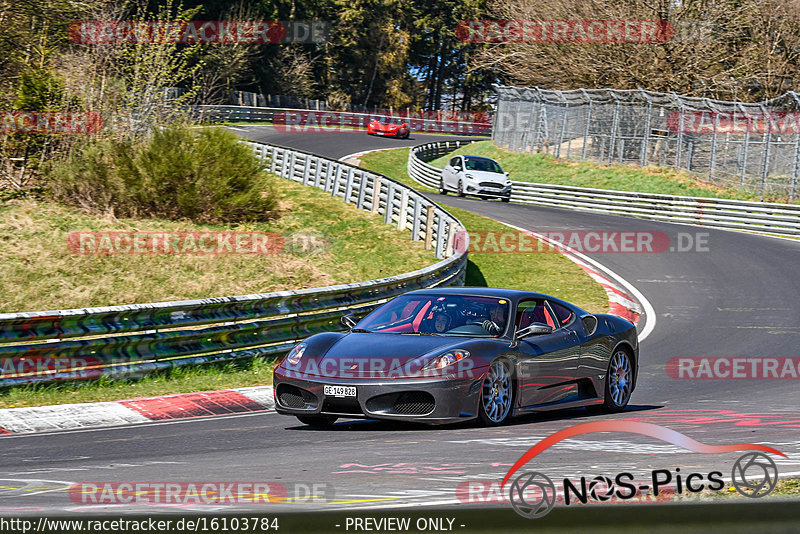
{"type": "Point", "coordinates": [223, 375]}
{"type": "Point", "coordinates": [544, 168]}
{"type": "Point", "coordinates": [41, 273]}
{"type": "Point", "coordinates": [546, 272]}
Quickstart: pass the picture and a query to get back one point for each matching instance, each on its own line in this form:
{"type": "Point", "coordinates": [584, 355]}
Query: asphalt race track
{"type": "Point", "coordinates": [739, 298]}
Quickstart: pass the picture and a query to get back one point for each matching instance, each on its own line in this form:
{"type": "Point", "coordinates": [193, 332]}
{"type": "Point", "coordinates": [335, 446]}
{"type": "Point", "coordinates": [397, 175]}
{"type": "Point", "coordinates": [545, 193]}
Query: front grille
{"type": "Point", "coordinates": [294, 397]}
{"type": "Point", "coordinates": [492, 185]}
{"type": "Point", "coordinates": [414, 403]}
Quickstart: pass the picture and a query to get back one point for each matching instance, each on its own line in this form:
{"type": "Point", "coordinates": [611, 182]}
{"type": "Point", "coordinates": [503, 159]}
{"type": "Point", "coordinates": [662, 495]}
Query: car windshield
{"type": "Point", "coordinates": [482, 164]}
{"type": "Point", "coordinates": [449, 315]}
{"type": "Point", "coordinates": [389, 120]}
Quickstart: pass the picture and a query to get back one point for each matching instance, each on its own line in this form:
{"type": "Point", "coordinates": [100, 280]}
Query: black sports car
{"type": "Point", "coordinates": [449, 354]}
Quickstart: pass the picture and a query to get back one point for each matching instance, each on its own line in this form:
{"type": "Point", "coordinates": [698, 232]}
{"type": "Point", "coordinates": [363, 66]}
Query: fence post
{"type": "Point", "coordinates": [563, 125]}
{"type": "Point", "coordinates": [680, 133]}
{"type": "Point", "coordinates": [376, 194]}
{"type": "Point", "coordinates": [415, 221]}
{"type": "Point", "coordinates": [428, 226]}
{"type": "Point", "coordinates": [401, 219]}
{"type": "Point", "coordinates": [765, 165]}
{"type": "Point", "coordinates": [328, 175]}
{"type": "Point", "coordinates": [745, 144]}
{"type": "Point", "coordinates": [614, 126]}
{"type": "Point", "coordinates": [586, 128]}
{"type": "Point", "coordinates": [713, 158]}
{"type": "Point", "coordinates": [646, 139]}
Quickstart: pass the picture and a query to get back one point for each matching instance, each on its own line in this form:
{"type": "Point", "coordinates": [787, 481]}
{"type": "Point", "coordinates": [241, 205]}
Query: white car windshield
{"type": "Point", "coordinates": [483, 164]}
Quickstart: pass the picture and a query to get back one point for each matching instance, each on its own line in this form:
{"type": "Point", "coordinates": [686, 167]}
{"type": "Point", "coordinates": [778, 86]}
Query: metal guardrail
{"type": "Point", "coordinates": [139, 338]}
{"type": "Point", "coordinates": [762, 217]}
{"type": "Point", "coordinates": [418, 156]}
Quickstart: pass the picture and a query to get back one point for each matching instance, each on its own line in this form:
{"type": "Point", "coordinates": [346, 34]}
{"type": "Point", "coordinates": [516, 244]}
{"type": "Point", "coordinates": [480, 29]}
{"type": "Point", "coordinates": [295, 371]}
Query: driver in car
{"type": "Point", "coordinates": [494, 324]}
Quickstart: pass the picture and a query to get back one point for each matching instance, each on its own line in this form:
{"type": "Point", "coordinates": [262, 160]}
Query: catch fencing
{"type": "Point", "coordinates": [753, 146]}
{"type": "Point", "coordinates": [762, 217]}
{"type": "Point", "coordinates": [129, 340]}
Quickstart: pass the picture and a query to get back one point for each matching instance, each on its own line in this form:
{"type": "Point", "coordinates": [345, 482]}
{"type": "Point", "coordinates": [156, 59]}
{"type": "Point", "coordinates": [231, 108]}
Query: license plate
{"type": "Point", "coordinates": [340, 391]}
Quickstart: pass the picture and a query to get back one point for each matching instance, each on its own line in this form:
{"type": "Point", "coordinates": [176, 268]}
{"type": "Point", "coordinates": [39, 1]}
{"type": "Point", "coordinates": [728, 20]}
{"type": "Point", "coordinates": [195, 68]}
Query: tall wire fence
{"type": "Point", "coordinates": [754, 146]}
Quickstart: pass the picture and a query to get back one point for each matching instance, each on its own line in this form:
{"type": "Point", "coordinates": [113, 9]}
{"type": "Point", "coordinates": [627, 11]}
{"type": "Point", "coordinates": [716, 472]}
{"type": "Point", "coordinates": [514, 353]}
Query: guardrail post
{"type": "Point", "coordinates": [328, 176]}
{"type": "Point", "coordinates": [401, 219]}
{"type": "Point", "coordinates": [348, 186]}
{"type": "Point", "coordinates": [440, 238]}
{"type": "Point", "coordinates": [376, 194]}
{"type": "Point", "coordinates": [290, 169]}
{"type": "Point", "coordinates": [450, 238]}
{"type": "Point", "coordinates": [362, 190]}
{"type": "Point", "coordinates": [318, 172]}
{"type": "Point", "coordinates": [415, 222]}
{"type": "Point", "coordinates": [306, 167]}
{"type": "Point", "coordinates": [428, 226]}
{"type": "Point", "coordinates": [335, 188]}
{"type": "Point", "coordinates": [273, 164]}
{"type": "Point", "coordinates": [387, 212]}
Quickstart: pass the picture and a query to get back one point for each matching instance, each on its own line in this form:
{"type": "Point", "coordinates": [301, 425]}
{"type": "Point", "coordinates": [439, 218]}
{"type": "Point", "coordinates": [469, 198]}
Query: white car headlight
{"type": "Point", "coordinates": [508, 182]}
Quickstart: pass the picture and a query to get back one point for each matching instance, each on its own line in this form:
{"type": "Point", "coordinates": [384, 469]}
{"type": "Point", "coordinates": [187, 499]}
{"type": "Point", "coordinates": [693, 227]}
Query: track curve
{"type": "Point", "coordinates": [740, 298]}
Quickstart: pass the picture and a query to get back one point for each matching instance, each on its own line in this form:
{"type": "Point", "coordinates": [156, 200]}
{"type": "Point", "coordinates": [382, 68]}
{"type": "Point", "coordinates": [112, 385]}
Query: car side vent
{"type": "Point", "coordinates": [589, 324]}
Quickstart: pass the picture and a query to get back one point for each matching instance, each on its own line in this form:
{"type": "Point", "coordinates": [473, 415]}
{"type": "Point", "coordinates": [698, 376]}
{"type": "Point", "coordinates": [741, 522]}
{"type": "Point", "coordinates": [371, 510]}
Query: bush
{"type": "Point", "coordinates": [204, 175]}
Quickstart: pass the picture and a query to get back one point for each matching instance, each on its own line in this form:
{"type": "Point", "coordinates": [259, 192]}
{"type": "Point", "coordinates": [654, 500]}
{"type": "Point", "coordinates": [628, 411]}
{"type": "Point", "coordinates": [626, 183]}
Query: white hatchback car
{"type": "Point", "coordinates": [475, 175]}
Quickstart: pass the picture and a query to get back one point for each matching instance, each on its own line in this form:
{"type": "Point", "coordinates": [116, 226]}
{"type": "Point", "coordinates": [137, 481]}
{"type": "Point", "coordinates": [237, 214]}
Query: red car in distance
{"type": "Point", "coordinates": [388, 126]}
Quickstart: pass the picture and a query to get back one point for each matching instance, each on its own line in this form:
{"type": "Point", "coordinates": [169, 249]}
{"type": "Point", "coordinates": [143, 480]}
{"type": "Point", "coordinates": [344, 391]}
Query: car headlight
{"type": "Point", "coordinates": [469, 176]}
{"type": "Point", "coordinates": [508, 182]}
{"type": "Point", "coordinates": [296, 353]}
{"type": "Point", "coordinates": [446, 359]}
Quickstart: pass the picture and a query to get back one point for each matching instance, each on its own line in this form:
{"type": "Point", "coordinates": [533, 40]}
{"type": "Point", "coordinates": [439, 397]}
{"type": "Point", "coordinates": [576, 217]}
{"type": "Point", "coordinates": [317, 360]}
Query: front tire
{"type": "Point", "coordinates": [505, 199]}
{"type": "Point", "coordinates": [497, 394]}
{"type": "Point", "coordinates": [317, 421]}
{"type": "Point", "coordinates": [442, 190]}
{"type": "Point", "coordinates": [460, 188]}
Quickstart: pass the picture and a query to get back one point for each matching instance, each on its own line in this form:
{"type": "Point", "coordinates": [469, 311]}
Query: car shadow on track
{"type": "Point", "coordinates": [372, 425]}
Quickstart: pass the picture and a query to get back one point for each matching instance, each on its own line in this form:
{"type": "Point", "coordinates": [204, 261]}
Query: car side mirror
{"type": "Point", "coordinates": [533, 329]}
{"type": "Point", "coordinates": [349, 321]}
